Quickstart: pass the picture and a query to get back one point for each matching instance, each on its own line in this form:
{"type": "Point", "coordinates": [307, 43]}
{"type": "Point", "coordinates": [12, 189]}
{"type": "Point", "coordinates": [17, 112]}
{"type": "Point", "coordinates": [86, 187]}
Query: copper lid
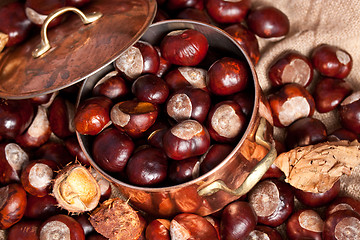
{"type": "Point", "coordinates": [77, 50]}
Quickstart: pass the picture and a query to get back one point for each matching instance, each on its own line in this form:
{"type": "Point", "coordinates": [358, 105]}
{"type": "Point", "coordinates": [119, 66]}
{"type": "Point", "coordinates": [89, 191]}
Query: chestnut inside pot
{"type": "Point", "coordinates": [235, 175]}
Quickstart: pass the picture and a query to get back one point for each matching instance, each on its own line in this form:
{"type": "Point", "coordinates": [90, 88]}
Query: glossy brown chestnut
{"type": "Point", "coordinates": [343, 203]}
{"type": "Point", "coordinates": [15, 117]}
{"type": "Point", "coordinates": [112, 149]}
{"type": "Point", "coordinates": [93, 115]}
{"type": "Point", "coordinates": [172, 5]}
{"type": "Point", "coordinates": [188, 103]}
{"type": "Point", "coordinates": [104, 184]}
{"type": "Point", "coordinates": [349, 111]}
{"type": "Point", "coordinates": [158, 229]}
{"type": "Point", "coordinates": [44, 99]}
{"type": "Point", "coordinates": [61, 114]}
{"type": "Point", "coordinates": [290, 103]}
{"type": "Point", "coordinates": [215, 155]}
{"type": "Point", "coordinates": [38, 10]}
{"type": "Point", "coordinates": [332, 61]}
{"type": "Point", "coordinates": [73, 147]}
{"type": "Point", "coordinates": [268, 22]}
{"type": "Point", "coordinates": [41, 207]}
{"type": "Point", "coordinates": [186, 139]}
{"type": "Point", "coordinates": [133, 116]}
{"type": "Point", "coordinates": [227, 76]}
{"type": "Point", "coordinates": [112, 85]}
{"type": "Point", "coordinates": [147, 167]}
{"type": "Point", "coordinates": [273, 201]}
{"type": "Point", "coordinates": [186, 47]}
{"type": "Point", "coordinates": [139, 59]}
{"type": "Point", "coordinates": [226, 122]}
{"type": "Point", "coordinates": [12, 160]}
{"type": "Point", "coordinates": [304, 224]}
{"type": "Point", "coordinates": [37, 176]}
{"type": "Point", "coordinates": [291, 67]}
{"type": "Point", "coordinates": [264, 232]}
{"type": "Point", "coordinates": [194, 14]}
{"type": "Point", "coordinates": [12, 204]}
{"type": "Point", "coordinates": [223, 11]}
{"type": "Point", "coordinates": [186, 76]}
{"type": "Point", "coordinates": [77, 3]}
{"type": "Point", "coordinates": [343, 224]}
{"type": "Point", "coordinates": [184, 170]}
{"type": "Point", "coordinates": [164, 64]}
{"type": "Point", "coordinates": [188, 225]}
{"type": "Point", "coordinates": [24, 230]}
{"type": "Point", "coordinates": [150, 88]}
{"type": "Point", "coordinates": [246, 100]}
{"type": "Point", "coordinates": [238, 219]}
{"type": "Point", "coordinates": [15, 24]}
{"type": "Point", "coordinates": [55, 151]}
{"type": "Point", "coordinates": [342, 134]}
{"type": "Point", "coordinates": [83, 219]}
{"type": "Point", "coordinates": [305, 131]}
{"type": "Point", "coordinates": [215, 221]}
{"type": "Point", "coordinates": [245, 38]}
{"type": "Point", "coordinates": [62, 227]}
{"type": "Point", "coordinates": [329, 93]}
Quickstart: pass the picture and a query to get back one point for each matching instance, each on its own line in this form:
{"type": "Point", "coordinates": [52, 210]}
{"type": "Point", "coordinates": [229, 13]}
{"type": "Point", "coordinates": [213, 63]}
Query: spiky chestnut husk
{"type": "Point", "coordinates": [76, 190]}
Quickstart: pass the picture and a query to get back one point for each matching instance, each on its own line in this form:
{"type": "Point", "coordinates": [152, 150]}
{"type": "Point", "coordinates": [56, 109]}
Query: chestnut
{"type": "Point", "coordinates": [133, 116]}
{"type": "Point", "coordinates": [139, 59]}
{"type": "Point", "coordinates": [291, 67]}
{"type": "Point", "coordinates": [238, 219]}
{"type": "Point", "coordinates": [264, 232]}
{"type": "Point", "coordinates": [331, 61]}
{"type": "Point", "coordinates": [186, 47]}
{"type": "Point", "coordinates": [349, 112]}
{"type": "Point", "coordinates": [15, 117]}
{"type": "Point", "coordinates": [83, 219]}
{"type": "Point", "coordinates": [223, 11]}
{"type": "Point", "coordinates": [44, 100]}
{"type": "Point", "coordinates": [164, 64]}
{"type": "Point", "coordinates": [96, 236]}
{"type": "Point", "coordinates": [62, 227]}
{"type": "Point", "coordinates": [184, 170]}
{"type": "Point", "coordinates": [73, 147]}
{"type": "Point", "coordinates": [12, 160]}
{"type": "Point", "coordinates": [342, 134]}
{"type": "Point", "coordinates": [188, 103]}
{"type": "Point", "coordinates": [24, 230]}
{"type": "Point", "coordinates": [172, 5]}
{"type": "Point", "coordinates": [112, 85]}
{"type": "Point", "coordinates": [37, 177]}
{"type": "Point", "coordinates": [93, 115]}
{"type": "Point", "coordinates": [77, 3]}
{"type": "Point", "coordinates": [246, 39]}
{"type": "Point", "coordinates": [215, 221]}
{"type": "Point", "coordinates": [246, 100]}
{"type": "Point", "coordinates": [38, 10]}
{"type": "Point", "coordinates": [15, 23]}
{"type": "Point", "coordinates": [227, 76]}
{"type": "Point", "coordinates": [13, 204]}
{"type": "Point", "coordinates": [304, 224]}
{"type": "Point", "coordinates": [215, 155]}
{"type": "Point", "coordinates": [41, 207]}
{"type": "Point", "coordinates": [147, 167]}
{"type": "Point", "coordinates": [194, 14]}
{"type": "Point", "coordinates": [305, 131]}
{"type": "Point", "coordinates": [273, 201]}
{"type": "Point", "coordinates": [150, 88]}
{"type": "Point", "coordinates": [226, 122]}
{"type": "Point", "coordinates": [188, 225]}
{"type": "Point", "coordinates": [268, 22]}
{"type": "Point", "coordinates": [38, 132]}
{"type": "Point", "coordinates": [55, 151]}
{"type": "Point", "coordinates": [343, 203]}
{"type": "Point", "coordinates": [291, 102]}
{"type": "Point", "coordinates": [186, 139]}
{"type": "Point", "coordinates": [318, 199]}
{"type": "Point", "coordinates": [158, 229]}
{"type": "Point", "coordinates": [104, 185]}
{"type": "Point", "coordinates": [112, 149]}
{"type": "Point", "coordinates": [343, 224]}
{"type": "Point", "coordinates": [182, 77]}
{"type": "Point", "coordinates": [329, 93]}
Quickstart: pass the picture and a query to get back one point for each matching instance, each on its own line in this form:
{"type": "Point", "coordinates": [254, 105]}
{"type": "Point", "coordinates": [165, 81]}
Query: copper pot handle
{"type": "Point", "coordinates": [254, 176]}
{"type": "Point", "coordinates": [44, 45]}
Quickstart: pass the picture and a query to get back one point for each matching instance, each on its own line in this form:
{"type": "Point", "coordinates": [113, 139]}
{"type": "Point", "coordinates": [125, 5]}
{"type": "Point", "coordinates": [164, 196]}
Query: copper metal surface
{"type": "Point", "coordinates": [167, 201]}
{"type": "Point", "coordinates": [78, 50]}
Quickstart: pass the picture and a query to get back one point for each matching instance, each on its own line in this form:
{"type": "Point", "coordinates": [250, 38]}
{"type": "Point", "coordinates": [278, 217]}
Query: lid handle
{"type": "Point", "coordinates": [44, 46]}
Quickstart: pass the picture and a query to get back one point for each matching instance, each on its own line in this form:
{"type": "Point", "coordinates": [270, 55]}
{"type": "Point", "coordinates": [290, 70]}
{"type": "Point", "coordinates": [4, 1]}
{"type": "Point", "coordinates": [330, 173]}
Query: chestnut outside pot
{"type": "Point", "coordinates": [236, 174]}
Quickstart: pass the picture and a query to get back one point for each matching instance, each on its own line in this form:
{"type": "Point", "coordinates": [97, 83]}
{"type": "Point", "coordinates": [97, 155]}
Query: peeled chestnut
{"type": "Point", "coordinates": [290, 103]}
{"type": "Point", "coordinates": [150, 88]}
{"type": "Point", "coordinates": [184, 170]}
{"type": "Point", "coordinates": [349, 110]}
{"type": "Point", "coordinates": [305, 224]}
{"type": "Point", "coordinates": [112, 85]}
{"type": "Point", "coordinates": [215, 155]}
{"type": "Point", "coordinates": [61, 227]}
{"type": "Point", "coordinates": [273, 201]}
{"type": "Point", "coordinates": [24, 230]}
{"type": "Point", "coordinates": [223, 11]}
{"type": "Point", "coordinates": [186, 139]}
{"type": "Point", "coordinates": [158, 229]}
{"type": "Point", "coordinates": [188, 225]}
{"type": "Point", "coordinates": [343, 224]}
{"type": "Point", "coordinates": [268, 22]}
{"type": "Point", "coordinates": [186, 76]}
{"type": "Point", "coordinates": [238, 219]}
{"type": "Point", "coordinates": [186, 47]}
{"type": "Point", "coordinates": [147, 167]}
{"type": "Point", "coordinates": [305, 131]}
{"type": "Point", "coordinates": [112, 149]}
{"type": "Point", "coordinates": [332, 61]}
{"type": "Point", "coordinates": [12, 204]}
{"type": "Point", "coordinates": [61, 115]}
{"type": "Point", "coordinates": [227, 76]}
{"type": "Point", "coordinates": [188, 103]}
{"type": "Point", "coordinates": [226, 122]}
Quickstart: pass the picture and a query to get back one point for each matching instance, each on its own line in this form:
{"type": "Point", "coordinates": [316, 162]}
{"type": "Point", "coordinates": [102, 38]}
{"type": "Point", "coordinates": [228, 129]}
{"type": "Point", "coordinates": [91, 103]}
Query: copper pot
{"type": "Point", "coordinates": [231, 179]}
